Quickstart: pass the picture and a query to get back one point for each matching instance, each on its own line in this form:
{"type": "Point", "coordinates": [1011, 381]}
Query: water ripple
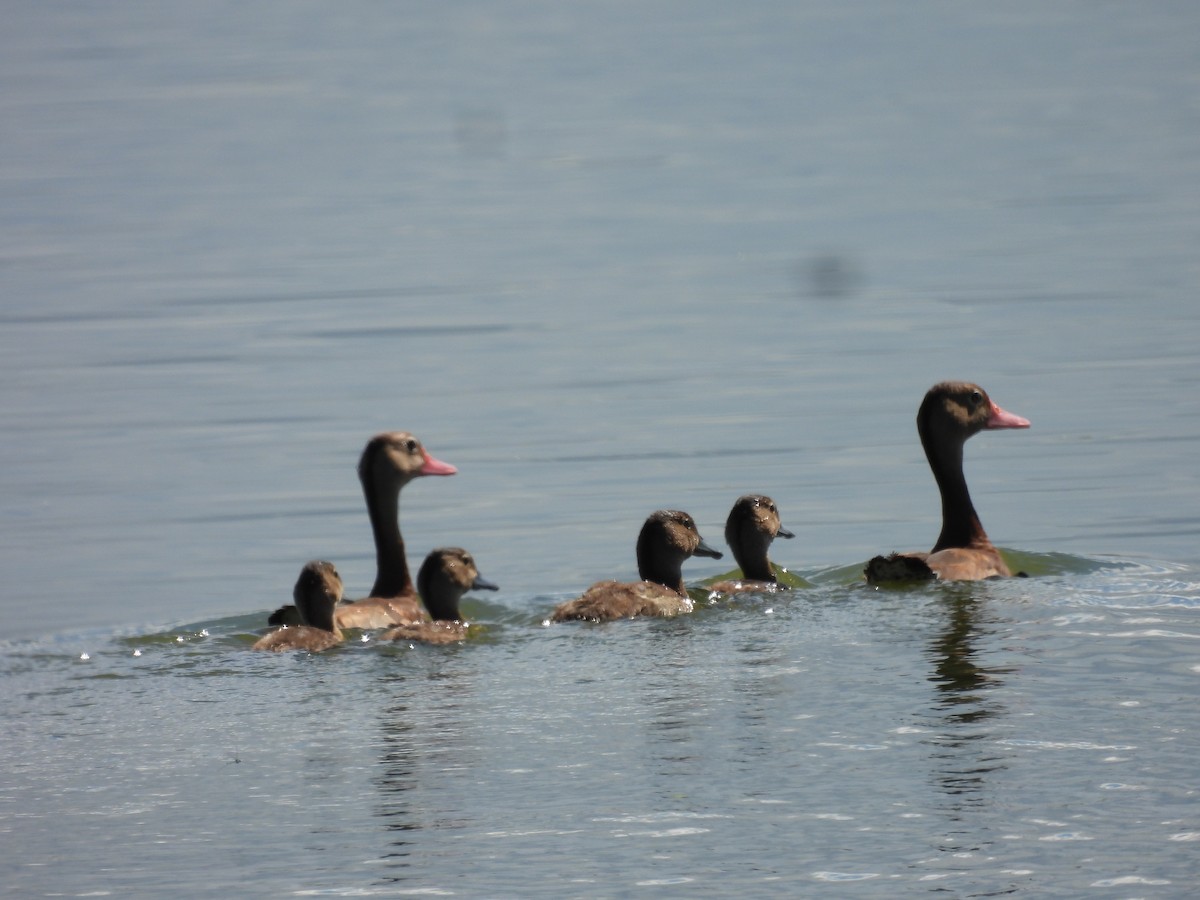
{"type": "Point", "coordinates": [845, 876]}
{"type": "Point", "coordinates": [1061, 745]}
{"type": "Point", "coordinates": [1128, 879]}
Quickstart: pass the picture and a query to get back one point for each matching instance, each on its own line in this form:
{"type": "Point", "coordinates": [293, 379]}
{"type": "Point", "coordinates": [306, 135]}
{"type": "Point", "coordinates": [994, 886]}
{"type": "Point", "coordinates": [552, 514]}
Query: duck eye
{"type": "Point", "coordinates": [976, 398]}
{"type": "Point", "coordinates": [410, 446]}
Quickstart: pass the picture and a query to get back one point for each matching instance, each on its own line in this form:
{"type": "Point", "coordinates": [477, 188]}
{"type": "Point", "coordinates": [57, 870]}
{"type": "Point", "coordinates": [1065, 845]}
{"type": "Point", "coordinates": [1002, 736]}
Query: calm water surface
{"type": "Point", "coordinates": [605, 258]}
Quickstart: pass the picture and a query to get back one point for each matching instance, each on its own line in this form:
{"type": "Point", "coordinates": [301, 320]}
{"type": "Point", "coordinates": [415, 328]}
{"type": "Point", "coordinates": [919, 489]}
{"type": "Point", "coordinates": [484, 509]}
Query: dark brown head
{"type": "Point", "coordinates": [446, 574]}
{"type": "Point", "coordinates": [395, 458]}
{"type": "Point", "coordinates": [752, 524]}
{"type": "Point", "coordinates": [953, 411]}
{"type": "Point", "coordinates": [318, 590]}
{"type": "Point", "coordinates": [667, 538]}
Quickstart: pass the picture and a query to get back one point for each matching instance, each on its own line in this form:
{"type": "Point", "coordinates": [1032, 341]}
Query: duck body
{"type": "Point", "coordinates": [668, 537]}
{"type": "Point", "coordinates": [752, 525]}
{"type": "Point", "coordinates": [951, 413]}
{"type": "Point", "coordinates": [428, 632]}
{"type": "Point", "coordinates": [445, 576]}
{"type": "Point", "coordinates": [317, 592]}
{"type": "Point", "coordinates": [606, 600]}
{"type": "Point", "coordinates": [298, 637]}
{"type": "Point", "coordinates": [379, 612]}
{"type": "Point", "coordinates": [389, 461]}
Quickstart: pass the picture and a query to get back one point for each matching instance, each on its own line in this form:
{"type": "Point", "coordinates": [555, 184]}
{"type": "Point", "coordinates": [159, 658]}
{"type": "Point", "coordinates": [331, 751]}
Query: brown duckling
{"type": "Point", "coordinates": [317, 592]}
{"type": "Point", "coordinates": [752, 524]}
{"type": "Point", "coordinates": [950, 414]}
{"type": "Point", "coordinates": [667, 538]}
{"type": "Point", "coordinates": [389, 462]}
{"type": "Point", "coordinates": [446, 574]}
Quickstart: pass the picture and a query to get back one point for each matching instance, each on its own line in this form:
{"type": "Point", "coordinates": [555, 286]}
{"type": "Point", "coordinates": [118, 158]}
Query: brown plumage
{"type": "Point", "coordinates": [388, 462]}
{"type": "Point", "coordinates": [667, 538]}
{"type": "Point", "coordinates": [752, 524]}
{"type": "Point", "coordinates": [950, 414]}
{"type": "Point", "coordinates": [317, 591]}
{"type": "Point", "coordinates": [445, 576]}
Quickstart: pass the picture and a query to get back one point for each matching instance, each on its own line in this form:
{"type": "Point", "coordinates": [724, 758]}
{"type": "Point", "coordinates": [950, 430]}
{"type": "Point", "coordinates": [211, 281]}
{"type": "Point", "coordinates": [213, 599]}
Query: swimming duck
{"type": "Point", "coordinates": [752, 524]}
{"type": "Point", "coordinates": [388, 462]}
{"type": "Point", "coordinates": [951, 413]}
{"type": "Point", "coordinates": [446, 574]}
{"type": "Point", "coordinates": [667, 538]}
{"type": "Point", "coordinates": [317, 592]}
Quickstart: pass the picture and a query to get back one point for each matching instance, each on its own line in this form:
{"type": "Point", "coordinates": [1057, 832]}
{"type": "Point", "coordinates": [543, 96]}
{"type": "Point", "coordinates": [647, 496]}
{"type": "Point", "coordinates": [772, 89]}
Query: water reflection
{"type": "Point", "coordinates": [758, 688]}
{"type": "Point", "coordinates": [963, 750]}
{"type": "Point", "coordinates": [421, 740]}
{"type": "Point", "coordinates": [675, 702]}
{"type": "Point", "coordinates": [398, 764]}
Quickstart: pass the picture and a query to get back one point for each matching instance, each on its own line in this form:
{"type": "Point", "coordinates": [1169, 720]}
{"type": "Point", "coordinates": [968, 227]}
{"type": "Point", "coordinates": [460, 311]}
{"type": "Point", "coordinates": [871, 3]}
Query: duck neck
{"type": "Point", "coordinates": [960, 523]}
{"type": "Point", "coordinates": [754, 563]}
{"type": "Point", "coordinates": [668, 573]}
{"type": "Point", "coordinates": [442, 608]}
{"type": "Point", "coordinates": [391, 565]}
{"type": "Point", "coordinates": [320, 615]}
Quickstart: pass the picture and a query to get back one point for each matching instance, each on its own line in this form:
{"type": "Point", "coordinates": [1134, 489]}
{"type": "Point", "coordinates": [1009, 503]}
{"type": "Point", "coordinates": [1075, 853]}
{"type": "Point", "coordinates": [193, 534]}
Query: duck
{"type": "Point", "coordinates": [752, 524]}
{"type": "Point", "coordinates": [446, 574]}
{"type": "Point", "coordinates": [668, 537]}
{"type": "Point", "coordinates": [389, 461]}
{"type": "Point", "coordinates": [317, 592]}
{"type": "Point", "coordinates": [951, 413]}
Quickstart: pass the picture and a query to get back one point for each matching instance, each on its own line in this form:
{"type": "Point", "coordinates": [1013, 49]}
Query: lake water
{"type": "Point", "coordinates": [605, 258]}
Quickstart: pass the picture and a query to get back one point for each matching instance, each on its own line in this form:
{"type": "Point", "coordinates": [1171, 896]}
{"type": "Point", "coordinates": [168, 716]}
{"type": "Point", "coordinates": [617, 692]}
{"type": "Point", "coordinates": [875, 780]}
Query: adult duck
{"type": "Point", "coordinates": [667, 538]}
{"type": "Point", "coordinates": [317, 592]}
{"type": "Point", "coordinates": [951, 413]}
{"type": "Point", "coordinates": [388, 462]}
{"type": "Point", "coordinates": [752, 524]}
{"type": "Point", "coordinates": [445, 576]}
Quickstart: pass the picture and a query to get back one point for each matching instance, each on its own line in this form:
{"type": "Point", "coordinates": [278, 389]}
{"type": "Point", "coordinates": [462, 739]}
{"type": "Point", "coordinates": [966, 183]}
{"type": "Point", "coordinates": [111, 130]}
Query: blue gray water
{"type": "Point", "coordinates": [604, 258]}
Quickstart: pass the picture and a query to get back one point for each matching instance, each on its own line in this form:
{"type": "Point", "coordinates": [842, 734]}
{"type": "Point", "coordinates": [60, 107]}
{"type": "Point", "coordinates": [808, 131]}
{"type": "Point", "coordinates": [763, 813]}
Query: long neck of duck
{"type": "Point", "coordinates": [320, 615]}
{"type": "Point", "coordinates": [960, 523]}
{"type": "Point", "coordinates": [667, 572]}
{"type": "Point", "coordinates": [443, 607]}
{"type": "Point", "coordinates": [391, 564]}
{"type": "Point", "coordinates": [753, 561]}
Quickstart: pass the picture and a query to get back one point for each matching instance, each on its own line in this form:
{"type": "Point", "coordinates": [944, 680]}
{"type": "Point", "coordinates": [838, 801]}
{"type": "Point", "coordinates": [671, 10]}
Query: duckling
{"type": "Point", "coordinates": [752, 524]}
{"type": "Point", "coordinates": [317, 591]}
{"type": "Point", "coordinates": [446, 574]}
{"type": "Point", "coordinates": [667, 538]}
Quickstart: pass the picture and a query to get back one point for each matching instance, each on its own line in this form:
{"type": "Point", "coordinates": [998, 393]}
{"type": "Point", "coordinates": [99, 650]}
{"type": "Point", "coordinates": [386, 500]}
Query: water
{"type": "Point", "coordinates": [604, 258]}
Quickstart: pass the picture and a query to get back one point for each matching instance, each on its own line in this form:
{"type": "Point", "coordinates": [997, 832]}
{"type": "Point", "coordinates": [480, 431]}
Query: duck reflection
{"type": "Point", "coordinates": [963, 751]}
{"type": "Point", "coordinates": [421, 739]}
{"type": "Point", "coordinates": [399, 761]}
{"type": "Point", "coordinates": [759, 687]}
{"type": "Point", "coordinates": [673, 701]}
